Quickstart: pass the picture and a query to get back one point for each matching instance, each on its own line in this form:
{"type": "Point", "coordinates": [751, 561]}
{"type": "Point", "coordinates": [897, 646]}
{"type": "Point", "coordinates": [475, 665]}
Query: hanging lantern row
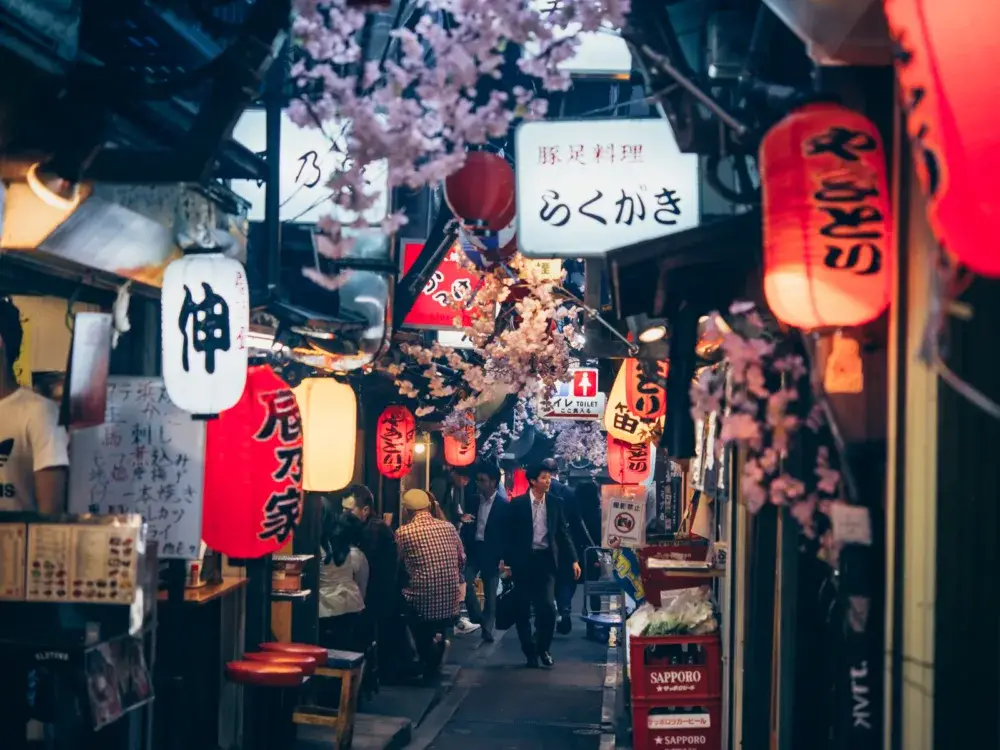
{"type": "Point", "coordinates": [628, 463]}
{"type": "Point", "coordinates": [481, 196]}
{"type": "Point", "coordinates": [645, 398]}
{"type": "Point", "coordinates": [827, 222]}
{"type": "Point", "coordinates": [460, 450]}
{"type": "Point", "coordinates": [620, 421]}
{"type": "Point", "coordinates": [205, 319]}
{"type": "Point", "coordinates": [396, 434]}
{"type": "Point", "coordinates": [253, 470]}
{"type": "Point", "coordinates": [951, 120]}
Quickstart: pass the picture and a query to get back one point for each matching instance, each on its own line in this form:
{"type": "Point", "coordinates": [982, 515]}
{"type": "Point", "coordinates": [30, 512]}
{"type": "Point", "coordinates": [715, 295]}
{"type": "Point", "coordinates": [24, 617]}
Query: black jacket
{"type": "Point", "coordinates": [519, 533]}
{"type": "Point", "coordinates": [491, 550]}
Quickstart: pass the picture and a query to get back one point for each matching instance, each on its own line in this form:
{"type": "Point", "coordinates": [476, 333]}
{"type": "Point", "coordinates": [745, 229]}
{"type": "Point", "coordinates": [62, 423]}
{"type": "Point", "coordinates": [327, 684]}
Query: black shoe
{"type": "Point", "coordinates": [565, 624]}
{"type": "Point", "coordinates": [531, 662]}
{"type": "Point", "coordinates": [547, 660]}
{"type": "Point", "coordinates": [487, 636]}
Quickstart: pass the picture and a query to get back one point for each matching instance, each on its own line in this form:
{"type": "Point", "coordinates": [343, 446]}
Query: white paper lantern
{"type": "Point", "coordinates": [620, 422]}
{"type": "Point", "coordinates": [205, 306]}
{"type": "Point", "coordinates": [329, 412]}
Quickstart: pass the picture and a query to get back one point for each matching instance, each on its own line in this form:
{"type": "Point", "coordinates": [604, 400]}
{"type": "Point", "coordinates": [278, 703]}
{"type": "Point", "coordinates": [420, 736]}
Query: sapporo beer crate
{"type": "Point", "coordinates": [686, 725]}
{"type": "Point", "coordinates": [656, 580]}
{"type": "Point", "coordinates": [682, 667]}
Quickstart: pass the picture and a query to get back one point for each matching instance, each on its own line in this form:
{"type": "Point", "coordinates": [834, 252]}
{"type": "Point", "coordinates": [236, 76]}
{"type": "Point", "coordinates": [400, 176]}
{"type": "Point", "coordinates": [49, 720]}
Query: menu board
{"type": "Point", "coordinates": [13, 543]}
{"type": "Point", "coordinates": [147, 458]}
{"type": "Point", "coordinates": [82, 563]}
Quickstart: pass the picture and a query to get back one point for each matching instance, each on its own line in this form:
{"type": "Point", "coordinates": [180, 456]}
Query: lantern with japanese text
{"type": "Point", "coordinates": [329, 411]}
{"type": "Point", "coordinates": [951, 119]}
{"type": "Point", "coordinates": [520, 486]}
{"type": "Point", "coordinates": [460, 450]}
{"type": "Point", "coordinates": [644, 397]}
{"type": "Point", "coordinates": [396, 433]}
{"type": "Point", "coordinates": [205, 317]}
{"type": "Point", "coordinates": [827, 222]}
{"type": "Point", "coordinates": [621, 422]}
{"type": "Point", "coordinates": [253, 470]}
{"type": "Point", "coordinates": [481, 195]}
{"type": "Point", "coordinates": [628, 463]}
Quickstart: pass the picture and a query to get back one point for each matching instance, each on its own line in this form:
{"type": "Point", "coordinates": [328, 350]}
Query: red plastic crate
{"type": "Point", "coordinates": [653, 677]}
{"type": "Point", "coordinates": [659, 727]}
{"type": "Point", "coordinates": [654, 581]}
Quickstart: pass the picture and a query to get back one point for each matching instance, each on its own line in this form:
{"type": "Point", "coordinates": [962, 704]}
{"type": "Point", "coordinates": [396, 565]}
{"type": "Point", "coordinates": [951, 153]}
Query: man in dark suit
{"type": "Point", "coordinates": [483, 536]}
{"type": "Point", "coordinates": [537, 545]}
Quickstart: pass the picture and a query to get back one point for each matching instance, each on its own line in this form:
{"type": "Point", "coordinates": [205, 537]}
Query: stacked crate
{"type": "Point", "coordinates": [676, 692]}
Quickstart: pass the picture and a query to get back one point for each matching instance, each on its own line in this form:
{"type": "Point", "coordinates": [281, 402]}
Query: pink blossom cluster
{"type": "Point", "coordinates": [581, 443]}
{"type": "Point", "coordinates": [757, 391]}
{"type": "Point", "coordinates": [420, 112]}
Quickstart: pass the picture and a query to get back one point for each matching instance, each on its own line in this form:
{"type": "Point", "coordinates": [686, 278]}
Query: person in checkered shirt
{"type": "Point", "coordinates": [433, 558]}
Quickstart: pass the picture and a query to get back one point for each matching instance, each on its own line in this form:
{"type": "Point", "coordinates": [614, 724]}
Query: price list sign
{"type": "Point", "coordinates": [147, 458]}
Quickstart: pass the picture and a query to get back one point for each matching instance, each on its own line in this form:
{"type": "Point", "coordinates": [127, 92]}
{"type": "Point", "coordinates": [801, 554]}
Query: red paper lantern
{"type": "Point", "coordinates": [627, 463]}
{"type": "Point", "coordinates": [253, 470]}
{"type": "Point", "coordinates": [951, 108]}
{"type": "Point", "coordinates": [460, 450]}
{"type": "Point", "coordinates": [827, 222]}
{"type": "Point", "coordinates": [521, 485]}
{"type": "Point", "coordinates": [481, 195]}
{"type": "Point", "coordinates": [396, 433]}
{"type": "Point", "coordinates": [645, 398]}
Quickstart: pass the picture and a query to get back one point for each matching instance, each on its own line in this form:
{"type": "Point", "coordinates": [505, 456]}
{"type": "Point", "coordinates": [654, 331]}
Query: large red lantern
{"type": "Point", "coordinates": [481, 195]}
{"type": "Point", "coordinates": [627, 463]}
{"type": "Point", "coordinates": [520, 486]}
{"type": "Point", "coordinates": [952, 119]}
{"type": "Point", "coordinates": [827, 224]}
{"type": "Point", "coordinates": [460, 450]}
{"type": "Point", "coordinates": [645, 398]}
{"type": "Point", "coordinates": [395, 433]}
{"type": "Point", "coordinates": [253, 470]}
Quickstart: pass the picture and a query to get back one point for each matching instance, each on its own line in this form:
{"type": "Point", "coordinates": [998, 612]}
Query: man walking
{"type": "Point", "coordinates": [537, 544]}
{"type": "Point", "coordinates": [483, 535]}
{"type": "Point", "coordinates": [434, 560]}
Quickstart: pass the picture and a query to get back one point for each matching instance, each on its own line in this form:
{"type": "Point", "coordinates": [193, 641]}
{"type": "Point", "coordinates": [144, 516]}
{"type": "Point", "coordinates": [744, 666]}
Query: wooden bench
{"type": "Point", "coordinates": [348, 667]}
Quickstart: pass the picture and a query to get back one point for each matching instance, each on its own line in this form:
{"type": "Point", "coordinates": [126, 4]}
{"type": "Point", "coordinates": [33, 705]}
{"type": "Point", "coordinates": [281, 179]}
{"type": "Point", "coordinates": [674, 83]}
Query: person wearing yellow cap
{"type": "Point", "coordinates": [433, 559]}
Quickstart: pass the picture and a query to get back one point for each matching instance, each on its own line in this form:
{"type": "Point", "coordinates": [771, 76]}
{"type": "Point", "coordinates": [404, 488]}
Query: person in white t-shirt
{"type": "Point", "coordinates": [34, 456]}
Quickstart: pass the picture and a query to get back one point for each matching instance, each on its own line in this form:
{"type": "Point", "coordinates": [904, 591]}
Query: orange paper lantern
{"type": "Point", "coordinates": [645, 398]}
{"type": "Point", "coordinates": [395, 434]}
{"type": "Point", "coordinates": [627, 463]}
{"type": "Point", "coordinates": [952, 119]}
{"type": "Point", "coordinates": [460, 450]}
{"type": "Point", "coordinates": [827, 223]}
{"type": "Point", "coordinates": [521, 485]}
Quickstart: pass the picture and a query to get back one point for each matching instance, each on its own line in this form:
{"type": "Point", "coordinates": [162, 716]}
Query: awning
{"type": "Point", "coordinates": [709, 264]}
{"type": "Point", "coordinates": [845, 32]}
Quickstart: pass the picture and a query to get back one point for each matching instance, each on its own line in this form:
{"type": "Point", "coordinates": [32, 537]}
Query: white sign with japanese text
{"type": "Point", "coordinates": [586, 187]}
{"type": "Point", "coordinates": [598, 54]}
{"type": "Point", "coordinates": [578, 398]}
{"type": "Point", "coordinates": [623, 521]}
{"type": "Point", "coordinates": [308, 159]}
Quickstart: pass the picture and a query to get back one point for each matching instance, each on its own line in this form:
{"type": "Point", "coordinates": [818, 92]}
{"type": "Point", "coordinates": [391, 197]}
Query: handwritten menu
{"type": "Point", "coordinates": [13, 541]}
{"type": "Point", "coordinates": [147, 458]}
{"type": "Point", "coordinates": [74, 562]}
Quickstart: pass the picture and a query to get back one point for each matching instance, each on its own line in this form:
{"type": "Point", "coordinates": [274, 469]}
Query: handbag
{"type": "Point", "coordinates": [506, 607]}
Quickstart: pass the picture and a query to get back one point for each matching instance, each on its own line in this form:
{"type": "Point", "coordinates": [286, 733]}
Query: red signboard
{"type": "Point", "coordinates": [585, 383]}
{"type": "Point", "coordinates": [440, 302]}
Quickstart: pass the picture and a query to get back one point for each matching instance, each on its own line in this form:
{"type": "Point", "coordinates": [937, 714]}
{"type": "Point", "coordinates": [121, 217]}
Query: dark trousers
{"type": "Point", "coordinates": [348, 632]}
{"type": "Point", "coordinates": [564, 597]}
{"type": "Point", "coordinates": [489, 571]}
{"type": "Point", "coordinates": [535, 587]}
{"type": "Point", "coordinates": [429, 638]}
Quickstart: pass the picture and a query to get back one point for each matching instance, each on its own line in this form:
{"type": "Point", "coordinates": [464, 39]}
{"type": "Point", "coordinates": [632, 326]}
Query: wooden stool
{"type": "Point", "coordinates": [348, 667]}
{"type": "Point", "coordinates": [272, 687]}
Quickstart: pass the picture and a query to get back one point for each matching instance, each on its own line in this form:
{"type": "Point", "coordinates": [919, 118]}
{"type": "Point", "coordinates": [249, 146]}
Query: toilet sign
{"type": "Point", "coordinates": [578, 398]}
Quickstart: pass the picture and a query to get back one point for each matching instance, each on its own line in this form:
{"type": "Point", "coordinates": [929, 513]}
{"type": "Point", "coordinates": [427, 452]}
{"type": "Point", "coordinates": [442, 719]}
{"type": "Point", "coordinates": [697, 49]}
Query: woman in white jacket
{"type": "Point", "coordinates": [343, 578]}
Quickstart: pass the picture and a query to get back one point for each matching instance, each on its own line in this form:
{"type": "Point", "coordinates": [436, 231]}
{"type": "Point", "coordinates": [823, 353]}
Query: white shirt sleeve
{"type": "Point", "coordinates": [49, 441]}
{"type": "Point", "coordinates": [360, 565]}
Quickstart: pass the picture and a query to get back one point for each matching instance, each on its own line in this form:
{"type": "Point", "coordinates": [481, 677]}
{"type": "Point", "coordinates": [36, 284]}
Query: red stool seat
{"type": "Point", "coordinates": [317, 652]}
{"type": "Point", "coordinates": [303, 661]}
{"type": "Point", "coordinates": [264, 674]}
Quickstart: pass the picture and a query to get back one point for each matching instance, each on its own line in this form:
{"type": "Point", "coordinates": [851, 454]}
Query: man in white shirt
{"type": "Point", "coordinates": [483, 535]}
{"type": "Point", "coordinates": [34, 455]}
